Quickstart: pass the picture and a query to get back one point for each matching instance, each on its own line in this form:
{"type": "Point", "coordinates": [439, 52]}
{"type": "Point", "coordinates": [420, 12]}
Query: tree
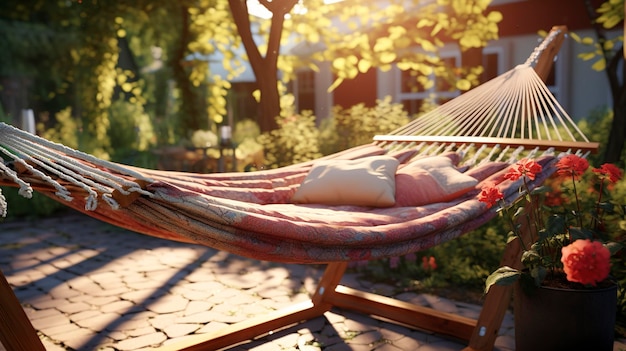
{"type": "Point", "coordinates": [354, 35]}
{"type": "Point", "coordinates": [608, 55]}
{"type": "Point", "coordinates": [265, 67]}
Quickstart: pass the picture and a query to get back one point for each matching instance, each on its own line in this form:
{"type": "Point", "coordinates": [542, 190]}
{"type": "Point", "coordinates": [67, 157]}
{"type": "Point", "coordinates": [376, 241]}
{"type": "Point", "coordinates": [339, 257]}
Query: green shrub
{"type": "Point", "coordinates": [463, 263]}
{"type": "Point", "coordinates": [37, 206]}
{"type": "Point", "coordinates": [295, 140]}
{"type": "Point", "coordinates": [131, 134]}
{"type": "Point", "coordinates": [358, 124]}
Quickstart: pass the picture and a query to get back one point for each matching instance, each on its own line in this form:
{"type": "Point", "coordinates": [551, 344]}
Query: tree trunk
{"type": "Point", "coordinates": [270, 99]}
{"type": "Point", "coordinates": [615, 144]}
{"type": "Point", "coordinates": [193, 107]}
{"type": "Point", "coordinates": [617, 134]}
{"type": "Point", "coordinates": [265, 68]}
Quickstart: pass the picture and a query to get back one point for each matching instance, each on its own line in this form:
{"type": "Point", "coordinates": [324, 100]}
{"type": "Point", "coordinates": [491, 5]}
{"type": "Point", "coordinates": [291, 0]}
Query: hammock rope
{"type": "Point", "coordinates": [515, 105]}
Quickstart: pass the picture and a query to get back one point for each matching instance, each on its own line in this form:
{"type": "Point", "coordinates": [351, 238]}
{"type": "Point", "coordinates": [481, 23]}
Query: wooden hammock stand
{"type": "Point", "coordinates": [18, 334]}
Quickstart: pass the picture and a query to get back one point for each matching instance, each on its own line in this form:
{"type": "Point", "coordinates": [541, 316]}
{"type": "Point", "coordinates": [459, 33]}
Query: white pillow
{"type": "Point", "coordinates": [368, 181]}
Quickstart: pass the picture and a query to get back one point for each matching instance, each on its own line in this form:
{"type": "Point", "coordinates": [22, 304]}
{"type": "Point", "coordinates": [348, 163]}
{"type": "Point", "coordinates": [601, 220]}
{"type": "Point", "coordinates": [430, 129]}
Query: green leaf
{"type": "Point", "coordinates": [541, 190]}
{"type": "Point", "coordinates": [463, 84]}
{"type": "Point", "coordinates": [586, 56]}
{"type": "Point", "coordinates": [503, 276]}
{"type": "Point", "coordinates": [613, 247]}
{"type": "Point", "coordinates": [555, 225]}
{"type": "Point", "coordinates": [599, 65]}
{"type": "Point", "coordinates": [530, 258]}
{"type": "Point", "coordinates": [580, 233]}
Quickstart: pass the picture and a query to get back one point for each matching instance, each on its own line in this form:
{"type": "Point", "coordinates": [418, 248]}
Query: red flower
{"type": "Point", "coordinates": [490, 195]}
{"type": "Point", "coordinates": [429, 263]}
{"type": "Point", "coordinates": [609, 171]}
{"type": "Point", "coordinates": [572, 165]}
{"type": "Point", "coordinates": [586, 261]}
{"type": "Point", "coordinates": [523, 167]}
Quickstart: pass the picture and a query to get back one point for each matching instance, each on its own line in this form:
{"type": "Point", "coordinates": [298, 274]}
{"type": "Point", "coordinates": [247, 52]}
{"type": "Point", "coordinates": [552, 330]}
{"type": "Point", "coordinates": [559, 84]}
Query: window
{"type": "Point", "coordinates": [412, 93]}
{"type": "Point", "coordinates": [305, 90]}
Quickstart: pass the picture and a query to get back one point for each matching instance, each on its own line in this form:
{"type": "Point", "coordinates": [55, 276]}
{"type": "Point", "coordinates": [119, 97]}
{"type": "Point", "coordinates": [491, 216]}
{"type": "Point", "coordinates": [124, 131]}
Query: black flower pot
{"type": "Point", "coordinates": [565, 319]}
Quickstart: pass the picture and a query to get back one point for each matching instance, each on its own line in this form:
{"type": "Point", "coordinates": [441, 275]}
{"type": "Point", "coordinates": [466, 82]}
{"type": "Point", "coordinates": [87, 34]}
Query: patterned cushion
{"type": "Point", "coordinates": [430, 180]}
{"type": "Point", "coordinates": [368, 181]}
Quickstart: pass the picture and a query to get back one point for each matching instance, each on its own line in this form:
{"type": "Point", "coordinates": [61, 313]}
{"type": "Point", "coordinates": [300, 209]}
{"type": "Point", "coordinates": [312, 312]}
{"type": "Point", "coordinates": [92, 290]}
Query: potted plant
{"type": "Point", "coordinates": [565, 298]}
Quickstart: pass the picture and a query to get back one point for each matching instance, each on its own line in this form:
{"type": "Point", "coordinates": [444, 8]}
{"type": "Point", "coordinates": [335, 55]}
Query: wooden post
{"type": "Point", "coordinates": [16, 331]}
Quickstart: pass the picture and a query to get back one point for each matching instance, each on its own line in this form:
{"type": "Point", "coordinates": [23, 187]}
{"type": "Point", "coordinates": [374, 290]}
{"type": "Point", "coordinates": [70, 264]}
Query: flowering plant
{"type": "Point", "coordinates": [564, 246]}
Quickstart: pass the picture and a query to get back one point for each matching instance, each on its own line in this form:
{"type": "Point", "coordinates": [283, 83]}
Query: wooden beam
{"type": "Point", "coordinates": [490, 141]}
{"type": "Point", "coordinates": [416, 316]}
{"type": "Point", "coordinates": [544, 63]}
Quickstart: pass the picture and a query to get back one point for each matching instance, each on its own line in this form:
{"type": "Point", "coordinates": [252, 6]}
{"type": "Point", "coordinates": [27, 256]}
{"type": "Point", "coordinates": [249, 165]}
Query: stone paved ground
{"type": "Point", "coordinates": [86, 285]}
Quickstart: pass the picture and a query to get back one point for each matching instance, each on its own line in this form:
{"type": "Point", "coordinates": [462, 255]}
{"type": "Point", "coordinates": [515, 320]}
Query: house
{"type": "Point", "coordinates": [577, 87]}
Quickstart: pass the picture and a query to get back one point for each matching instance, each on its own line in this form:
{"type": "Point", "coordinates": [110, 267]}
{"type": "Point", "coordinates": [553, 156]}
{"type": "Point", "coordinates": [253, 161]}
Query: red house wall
{"type": "Point", "coordinates": [519, 18]}
{"type": "Point", "coordinates": [530, 16]}
{"type": "Point", "coordinates": [361, 89]}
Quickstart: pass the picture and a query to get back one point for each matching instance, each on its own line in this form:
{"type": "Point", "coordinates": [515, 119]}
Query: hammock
{"type": "Point", "coordinates": [252, 214]}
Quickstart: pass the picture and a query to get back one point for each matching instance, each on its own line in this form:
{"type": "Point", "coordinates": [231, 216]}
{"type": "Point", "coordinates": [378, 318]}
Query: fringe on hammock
{"type": "Point", "coordinates": [99, 178]}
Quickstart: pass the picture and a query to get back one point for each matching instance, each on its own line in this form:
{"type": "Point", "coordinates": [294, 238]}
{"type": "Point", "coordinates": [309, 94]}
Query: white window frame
{"type": "Point", "coordinates": [447, 52]}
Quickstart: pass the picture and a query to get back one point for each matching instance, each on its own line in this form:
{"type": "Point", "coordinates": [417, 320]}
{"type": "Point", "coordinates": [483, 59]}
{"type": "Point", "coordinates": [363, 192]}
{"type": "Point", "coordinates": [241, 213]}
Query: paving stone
{"type": "Point", "coordinates": [162, 321]}
{"type": "Point", "coordinates": [84, 315]}
{"type": "Point", "coordinates": [211, 287]}
{"type": "Point", "coordinates": [168, 304]}
{"type": "Point", "coordinates": [394, 332]}
{"type": "Point", "coordinates": [98, 322]}
{"type": "Point", "coordinates": [112, 291]}
{"type": "Point", "coordinates": [83, 339]}
{"type": "Point", "coordinates": [34, 314]}
{"type": "Point", "coordinates": [60, 330]}
{"type": "Point", "coordinates": [47, 301]}
{"type": "Point", "coordinates": [196, 307]}
{"type": "Point", "coordinates": [286, 340]}
{"type": "Point", "coordinates": [440, 303]}
{"type": "Point", "coordinates": [73, 307]}
{"type": "Point", "coordinates": [94, 300]}
{"type": "Point", "coordinates": [136, 320]}
{"type": "Point", "coordinates": [210, 327]}
{"type": "Point", "coordinates": [366, 338]}
{"type": "Point", "coordinates": [24, 263]}
{"type": "Point", "coordinates": [141, 341]}
{"type": "Point", "coordinates": [141, 331]}
{"type": "Point", "coordinates": [505, 343]}
{"type": "Point", "coordinates": [63, 291]}
{"type": "Point", "coordinates": [386, 347]}
{"type": "Point", "coordinates": [359, 323]}
{"type": "Point", "coordinates": [408, 343]}
{"type": "Point", "coordinates": [119, 306]}
{"type": "Point", "coordinates": [177, 330]}
{"type": "Point", "coordinates": [116, 336]}
{"type": "Point", "coordinates": [139, 296]}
